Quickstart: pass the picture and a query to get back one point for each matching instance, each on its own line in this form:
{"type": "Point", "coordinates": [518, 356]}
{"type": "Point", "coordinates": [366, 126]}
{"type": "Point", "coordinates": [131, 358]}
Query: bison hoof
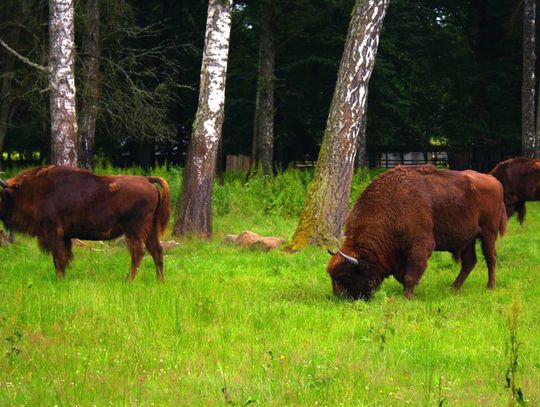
{"type": "Point", "coordinates": [491, 285]}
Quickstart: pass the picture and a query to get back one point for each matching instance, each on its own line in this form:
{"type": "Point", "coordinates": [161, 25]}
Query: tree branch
{"type": "Point", "coordinates": [23, 59]}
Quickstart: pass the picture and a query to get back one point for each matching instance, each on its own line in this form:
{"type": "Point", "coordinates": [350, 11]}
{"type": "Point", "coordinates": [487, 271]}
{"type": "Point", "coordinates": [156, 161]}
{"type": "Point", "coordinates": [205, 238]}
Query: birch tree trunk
{"type": "Point", "coordinates": [537, 138]}
{"type": "Point", "coordinates": [529, 144]}
{"type": "Point", "coordinates": [362, 160]}
{"type": "Point", "coordinates": [328, 197]}
{"type": "Point", "coordinates": [193, 215]}
{"type": "Point", "coordinates": [263, 136]}
{"type": "Point", "coordinates": [64, 141]}
{"type": "Point", "coordinates": [90, 84]}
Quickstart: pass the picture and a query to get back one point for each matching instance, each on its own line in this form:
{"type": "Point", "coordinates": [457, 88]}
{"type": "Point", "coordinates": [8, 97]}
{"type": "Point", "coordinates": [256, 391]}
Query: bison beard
{"type": "Point", "coordinates": [60, 203]}
{"type": "Point", "coordinates": [407, 213]}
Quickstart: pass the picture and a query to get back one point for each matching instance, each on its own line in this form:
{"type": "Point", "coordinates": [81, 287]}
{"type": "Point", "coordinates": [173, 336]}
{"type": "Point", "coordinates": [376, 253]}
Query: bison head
{"type": "Point", "coordinates": [351, 277]}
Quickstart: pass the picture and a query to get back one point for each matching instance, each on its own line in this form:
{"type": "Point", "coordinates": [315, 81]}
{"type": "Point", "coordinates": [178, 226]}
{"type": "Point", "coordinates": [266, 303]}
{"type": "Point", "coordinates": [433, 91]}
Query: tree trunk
{"type": "Point", "coordinates": [90, 84]}
{"type": "Point", "coordinates": [362, 159]}
{"type": "Point", "coordinates": [263, 137]}
{"type": "Point", "coordinates": [328, 197]}
{"type": "Point", "coordinates": [537, 138]}
{"type": "Point", "coordinates": [255, 141]}
{"type": "Point", "coordinates": [193, 215]}
{"type": "Point", "coordinates": [529, 145]}
{"type": "Point", "coordinates": [64, 143]}
{"type": "Point", "coordinates": [7, 97]}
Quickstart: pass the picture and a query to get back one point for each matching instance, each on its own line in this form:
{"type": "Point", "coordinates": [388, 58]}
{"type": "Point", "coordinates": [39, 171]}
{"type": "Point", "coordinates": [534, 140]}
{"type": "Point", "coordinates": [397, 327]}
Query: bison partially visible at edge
{"type": "Point", "coordinates": [520, 178]}
{"type": "Point", "coordinates": [59, 203]}
{"type": "Point", "coordinates": [407, 213]}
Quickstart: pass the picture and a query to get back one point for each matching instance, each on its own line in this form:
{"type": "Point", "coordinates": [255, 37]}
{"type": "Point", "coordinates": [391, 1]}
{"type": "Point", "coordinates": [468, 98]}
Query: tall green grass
{"type": "Point", "coordinates": [237, 327]}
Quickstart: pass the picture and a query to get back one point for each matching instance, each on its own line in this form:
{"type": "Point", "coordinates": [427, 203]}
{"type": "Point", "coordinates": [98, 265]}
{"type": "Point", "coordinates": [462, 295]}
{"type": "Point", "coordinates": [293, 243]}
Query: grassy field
{"type": "Point", "coordinates": [240, 327]}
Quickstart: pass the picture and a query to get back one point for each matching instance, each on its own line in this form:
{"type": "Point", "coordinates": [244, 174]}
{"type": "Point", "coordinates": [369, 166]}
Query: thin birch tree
{"type": "Point", "coordinates": [529, 142]}
{"type": "Point", "coordinates": [193, 215]}
{"type": "Point", "coordinates": [328, 196]}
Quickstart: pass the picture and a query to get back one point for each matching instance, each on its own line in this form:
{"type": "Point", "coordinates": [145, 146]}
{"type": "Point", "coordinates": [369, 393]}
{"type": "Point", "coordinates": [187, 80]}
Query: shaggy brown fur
{"type": "Point", "coordinates": [520, 178]}
{"type": "Point", "coordinates": [407, 213]}
{"type": "Point", "coordinates": [57, 204]}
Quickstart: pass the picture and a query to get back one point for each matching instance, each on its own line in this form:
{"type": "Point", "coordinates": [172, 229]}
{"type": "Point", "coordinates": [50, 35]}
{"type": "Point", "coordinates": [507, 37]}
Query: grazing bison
{"type": "Point", "coordinates": [407, 213]}
{"type": "Point", "coordinates": [56, 204]}
{"type": "Point", "coordinates": [520, 178]}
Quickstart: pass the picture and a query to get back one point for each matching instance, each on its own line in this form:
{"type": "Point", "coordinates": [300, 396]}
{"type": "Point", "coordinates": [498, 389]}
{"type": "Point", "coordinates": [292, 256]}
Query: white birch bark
{"type": "Point", "coordinates": [64, 142]}
{"type": "Point", "coordinates": [194, 208]}
{"type": "Point", "coordinates": [328, 197]}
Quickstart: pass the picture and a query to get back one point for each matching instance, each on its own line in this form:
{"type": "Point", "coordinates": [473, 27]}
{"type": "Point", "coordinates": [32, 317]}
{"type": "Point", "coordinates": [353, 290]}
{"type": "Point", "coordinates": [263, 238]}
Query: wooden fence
{"type": "Point", "coordinates": [389, 160]}
{"type": "Point", "coordinates": [238, 163]}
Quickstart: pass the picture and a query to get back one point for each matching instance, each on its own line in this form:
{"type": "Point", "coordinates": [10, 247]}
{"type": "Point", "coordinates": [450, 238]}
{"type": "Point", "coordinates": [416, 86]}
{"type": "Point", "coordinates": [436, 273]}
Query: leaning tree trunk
{"type": "Point", "coordinates": [328, 197]}
{"type": "Point", "coordinates": [529, 144]}
{"type": "Point", "coordinates": [193, 216]}
{"type": "Point", "coordinates": [537, 138]}
{"type": "Point", "coordinates": [64, 142]}
{"type": "Point", "coordinates": [7, 98]}
{"type": "Point", "coordinates": [263, 137]}
{"type": "Point", "coordinates": [362, 160]}
{"type": "Point", "coordinates": [90, 84]}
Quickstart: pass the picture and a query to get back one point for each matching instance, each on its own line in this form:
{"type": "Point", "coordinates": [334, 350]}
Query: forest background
{"type": "Point", "coordinates": [447, 78]}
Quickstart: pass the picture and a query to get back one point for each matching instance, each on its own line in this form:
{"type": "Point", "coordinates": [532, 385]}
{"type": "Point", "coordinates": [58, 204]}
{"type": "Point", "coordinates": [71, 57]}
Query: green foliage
{"type": "Point", "coordinates": [441, 69]}
{"type": "Point", "coordinates": [280, 195]}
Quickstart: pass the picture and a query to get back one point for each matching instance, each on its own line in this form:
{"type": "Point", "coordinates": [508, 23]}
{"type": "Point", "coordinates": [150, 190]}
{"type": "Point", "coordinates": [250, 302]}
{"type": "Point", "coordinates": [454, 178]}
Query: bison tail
{"type": "Point", "coordinates": [163, 211]}
{"type": "Point", "coordinates": [503, 222]}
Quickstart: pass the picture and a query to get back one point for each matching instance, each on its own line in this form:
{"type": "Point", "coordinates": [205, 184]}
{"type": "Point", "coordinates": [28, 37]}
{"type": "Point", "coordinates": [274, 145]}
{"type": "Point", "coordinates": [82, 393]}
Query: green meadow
{"type": "Point", "coordinates": [232, 326]}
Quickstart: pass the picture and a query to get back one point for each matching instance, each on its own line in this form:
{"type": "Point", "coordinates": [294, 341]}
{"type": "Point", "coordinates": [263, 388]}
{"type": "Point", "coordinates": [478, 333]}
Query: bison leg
{"type": "Point", "coordinates": [136, 249]}
{"type": "Point", "coordinates": [62, 255]}
{"type": "Point", "coordinates": [156, 250]}
{"type": "Point", "coordinates": [53, 241]}
{"type": "Point", "coordinates": [521, 209]}
{"type": "Point", "coordinates": [416, 265]}
{"type": "Point", "coordinates": [490, 254]}
{"type": "Point", "coordinates": [468, 261]}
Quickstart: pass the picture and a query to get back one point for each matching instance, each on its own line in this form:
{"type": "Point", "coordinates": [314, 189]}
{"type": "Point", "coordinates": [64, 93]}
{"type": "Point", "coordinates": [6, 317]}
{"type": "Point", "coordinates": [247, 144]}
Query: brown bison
{"type": "Point", "coordinates": [520, 178]}
{"type": "Point", "coordinates": [59, 203]}
{"type": "Point", "coordinates": [407, 213]}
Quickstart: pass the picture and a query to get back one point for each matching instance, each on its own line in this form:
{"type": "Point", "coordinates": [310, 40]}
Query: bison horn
{"type": "Point", "coordinates": [350, 259]}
